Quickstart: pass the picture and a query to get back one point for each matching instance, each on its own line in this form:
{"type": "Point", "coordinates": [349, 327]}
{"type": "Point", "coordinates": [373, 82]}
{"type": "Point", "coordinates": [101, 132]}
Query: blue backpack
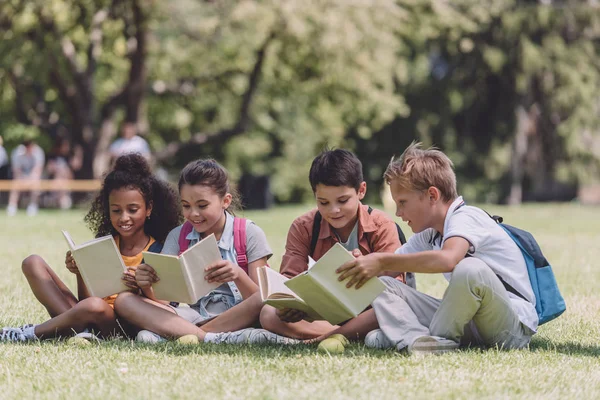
{"type": "Point", "coordinates": [549, 302]}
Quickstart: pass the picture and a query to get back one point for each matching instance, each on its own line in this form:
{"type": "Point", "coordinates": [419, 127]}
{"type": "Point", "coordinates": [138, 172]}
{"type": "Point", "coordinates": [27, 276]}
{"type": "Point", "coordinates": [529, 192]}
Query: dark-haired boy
{"type": "Point", "coordinates": [337, 181]}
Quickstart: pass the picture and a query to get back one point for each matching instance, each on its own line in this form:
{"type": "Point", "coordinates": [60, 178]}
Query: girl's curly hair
{"type": "Point", "coordinates": [133, 172]}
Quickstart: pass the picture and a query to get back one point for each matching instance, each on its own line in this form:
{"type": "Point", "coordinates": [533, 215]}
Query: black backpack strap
{"type": "Point", "coordinates": [511, 289]}
{"type": "Point", "coordinates": [315, 233]}
{"type": "Point", "coordinates": [400, 233]}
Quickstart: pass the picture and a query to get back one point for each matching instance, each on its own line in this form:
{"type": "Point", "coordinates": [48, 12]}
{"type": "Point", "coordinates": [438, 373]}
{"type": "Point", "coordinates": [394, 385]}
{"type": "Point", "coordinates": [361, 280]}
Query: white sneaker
{"type": "Point", "coordinates": [432, 345]}
{"type": "Point", "coordinates": [252, 336]}
{"type": "Point", "coordinates": [260, 336]}
{"type": "Point", "coordinates": [32, 210]}
{"type": "Point", "coordinates": [87, 335]}
{"type": "Point", "coordinates": [146, 336]}
{"type": "Point", "coordinates": [377, 340]}
{"type": "Point", "coordinates": [11, 210]}
{"type": "Point", "coordinates": [13, 335]}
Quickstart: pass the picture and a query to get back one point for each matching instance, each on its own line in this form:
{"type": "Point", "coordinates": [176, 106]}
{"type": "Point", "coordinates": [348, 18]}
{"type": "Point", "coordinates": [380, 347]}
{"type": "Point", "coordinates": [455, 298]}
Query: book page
{"type": "Point", "coordinates": [195, 259]}
{"type": "Point", "coordinates": [101, 267]}
{"type": "Point", "coordinates": [319, 299]}
{"type": "Point", "coordinates": [324, 272]}
{"type": "Point", "coordinates": [172, 285]}
{"type": "Point", "coordinates": [272, 284]}
{"type": "Point", "coordinates": [69, 240]}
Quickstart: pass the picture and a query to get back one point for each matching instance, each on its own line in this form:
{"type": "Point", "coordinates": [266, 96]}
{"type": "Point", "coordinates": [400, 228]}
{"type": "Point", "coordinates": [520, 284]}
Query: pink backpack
{"type": "Point", "coordinates": [239, 240]}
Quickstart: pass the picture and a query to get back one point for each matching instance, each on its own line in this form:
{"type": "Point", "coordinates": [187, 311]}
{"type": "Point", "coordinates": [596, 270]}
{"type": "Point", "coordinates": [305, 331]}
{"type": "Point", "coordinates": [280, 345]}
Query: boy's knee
{"type": "Point", "coordinates": [394, 286]}
{"type": "Point", "coordinates": [32, 264]}
{"type": "Point", "coordinates": [470, 270]}
{"type": "Point", "coordinates": [268, 317]}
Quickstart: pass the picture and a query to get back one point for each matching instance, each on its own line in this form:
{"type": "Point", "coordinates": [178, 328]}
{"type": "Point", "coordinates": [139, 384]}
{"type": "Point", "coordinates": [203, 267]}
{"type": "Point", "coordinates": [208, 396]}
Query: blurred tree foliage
{"type": "Point", "coordinates": [507, 88]}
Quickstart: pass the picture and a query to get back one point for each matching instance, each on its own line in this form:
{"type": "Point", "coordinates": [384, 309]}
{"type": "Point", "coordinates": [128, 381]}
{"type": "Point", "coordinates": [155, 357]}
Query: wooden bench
{"type": "Point", "coordinates": [52, 185]}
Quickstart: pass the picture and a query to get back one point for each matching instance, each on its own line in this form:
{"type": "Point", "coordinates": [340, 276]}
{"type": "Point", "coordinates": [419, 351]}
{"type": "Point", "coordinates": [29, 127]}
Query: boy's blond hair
{"type": "Point", "coordinates": [418, 169]}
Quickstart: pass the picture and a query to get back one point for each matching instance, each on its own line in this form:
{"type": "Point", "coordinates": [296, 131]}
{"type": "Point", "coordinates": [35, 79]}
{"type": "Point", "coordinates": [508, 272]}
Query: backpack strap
{"type": "Point", "coordinates": [239, 242]}
{"type": "Point", "coordinates": [315, 233]}
{"type": "Point", "coordinates": [183, 242]}
{"type": "Point", "coordinates": [498, 219]}
{"type": "Point", "coordinates": [156, 247]}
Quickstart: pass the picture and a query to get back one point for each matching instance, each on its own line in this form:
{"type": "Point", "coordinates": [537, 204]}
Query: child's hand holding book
{"type": "Point", "coordinates": [222, 271]}
{"type": "Point", "coordinates": [71, 264]}
{"type": "Point", "coordinates": [129, 279]}
{"type": "Point", "coordinates": [145, 276]}
{"type": "Point", "coordinates": [291, 315]}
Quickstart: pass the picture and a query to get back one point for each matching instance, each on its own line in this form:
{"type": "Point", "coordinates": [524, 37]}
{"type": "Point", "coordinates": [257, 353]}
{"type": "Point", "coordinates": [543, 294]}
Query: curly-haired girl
{"type": "Point", "coordinates": [138, 210]}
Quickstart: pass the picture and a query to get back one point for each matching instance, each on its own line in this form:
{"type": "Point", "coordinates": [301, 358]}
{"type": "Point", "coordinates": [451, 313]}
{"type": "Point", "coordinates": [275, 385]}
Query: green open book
{"type": "Point", "coordinates": [317, 291]}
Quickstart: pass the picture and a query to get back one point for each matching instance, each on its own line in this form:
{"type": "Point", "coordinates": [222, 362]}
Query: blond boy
{"type": "Point", "coordinates": [463, 243]}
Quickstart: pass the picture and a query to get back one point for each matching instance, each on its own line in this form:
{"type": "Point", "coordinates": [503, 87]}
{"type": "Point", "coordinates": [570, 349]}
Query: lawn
{"type": "Point", "coordinates": [562, 362]}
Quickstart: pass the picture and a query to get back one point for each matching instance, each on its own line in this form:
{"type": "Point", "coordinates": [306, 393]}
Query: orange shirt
{"type": "Point", "coordinates": [376, 233]}
{"type": "Point", "coordinates": [131, 262]}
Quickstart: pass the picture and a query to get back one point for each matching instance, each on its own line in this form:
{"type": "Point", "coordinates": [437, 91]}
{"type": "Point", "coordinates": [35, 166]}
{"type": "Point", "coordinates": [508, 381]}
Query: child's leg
{"type": "Point", "coordinates": [403, 313]}
{"type": "Point", "coordinates": [475, 293]}
{"type": "Point", "coordinates": [144, 313]}
{"type": "Point", "coordinates": [47, 286]}
{"type": "Point", "coordinates": [355, 329]}
{"type": "Point", "coordinates": [297, 330]}
{"type": "Point", "coordinates": [240, 316]}
{"type": "Point", "coordinates": [92, 312]}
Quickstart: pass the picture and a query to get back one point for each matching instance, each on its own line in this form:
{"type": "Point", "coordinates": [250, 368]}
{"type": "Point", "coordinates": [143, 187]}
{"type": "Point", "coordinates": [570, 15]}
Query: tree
{"type": "Point", "coordinates": [71, 65]}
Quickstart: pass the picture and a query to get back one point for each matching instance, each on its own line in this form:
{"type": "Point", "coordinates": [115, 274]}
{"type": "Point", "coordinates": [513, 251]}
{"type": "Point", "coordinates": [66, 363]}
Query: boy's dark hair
{"type": "Point", "coordinates": [336, 168]}
{"type": "Point", "coordinates": [209, 173]}
{"type": "Point", "coordinates": [132, 171]}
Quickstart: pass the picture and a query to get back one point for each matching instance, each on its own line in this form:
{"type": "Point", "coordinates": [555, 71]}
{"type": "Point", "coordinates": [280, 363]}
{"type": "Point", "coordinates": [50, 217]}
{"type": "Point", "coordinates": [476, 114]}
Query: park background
{"type": "Point", "coordinates": [509, 89]}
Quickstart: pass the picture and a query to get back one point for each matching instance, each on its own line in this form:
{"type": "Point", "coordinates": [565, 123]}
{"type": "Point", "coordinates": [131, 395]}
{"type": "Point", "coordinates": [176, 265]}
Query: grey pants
{"type": "Point", "coordinates": [475, 309]}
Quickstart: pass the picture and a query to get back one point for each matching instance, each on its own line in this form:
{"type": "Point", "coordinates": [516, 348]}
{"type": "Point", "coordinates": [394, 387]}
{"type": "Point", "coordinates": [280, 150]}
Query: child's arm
{"type": "Point", "coordinates": [82, 291]}
{"type": "Point", "coordinates": [433, 261]}
{"type": "Point", "coordinates": [297, 249]}
{"type": "Point", "coordinates": [145, 277]}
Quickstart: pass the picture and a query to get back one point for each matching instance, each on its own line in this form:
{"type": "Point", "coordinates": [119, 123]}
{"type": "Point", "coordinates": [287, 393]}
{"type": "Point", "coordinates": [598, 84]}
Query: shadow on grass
{"type": "Point", "coordinates": [569, 348]}
{"type": "Point", "coordinates": [265, 351]}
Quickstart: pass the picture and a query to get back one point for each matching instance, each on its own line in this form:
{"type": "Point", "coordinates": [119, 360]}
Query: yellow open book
{"type": "Point", "coordinates": [318, 292]}
{"type": "Point", "coordinates": [182, 277]}
{"type": "Point", "coordinates": [100, 265]}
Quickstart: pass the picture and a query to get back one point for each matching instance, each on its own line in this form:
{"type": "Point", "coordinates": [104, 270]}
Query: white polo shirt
{"type": "Point", "coordinates": [491, 244]}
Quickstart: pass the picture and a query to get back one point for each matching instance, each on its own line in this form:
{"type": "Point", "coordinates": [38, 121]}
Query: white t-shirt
{"type": "Point", "coordinates": [491, 244]}
{"type": "Point", "coordinates": [26, 162]}
{"type": "Point", "coordinates": [136, 144]}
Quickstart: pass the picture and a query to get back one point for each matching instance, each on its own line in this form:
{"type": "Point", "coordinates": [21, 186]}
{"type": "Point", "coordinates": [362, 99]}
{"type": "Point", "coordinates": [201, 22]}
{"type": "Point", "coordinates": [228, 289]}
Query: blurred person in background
{"type": "Point", "coordinates": [63, 162]}
{"type": "Point", "coordinates": [4, 163]}
{"type": "Point", "coordinates": [27, 162]}
{"type": "Point", "coordinates": [129, 142]}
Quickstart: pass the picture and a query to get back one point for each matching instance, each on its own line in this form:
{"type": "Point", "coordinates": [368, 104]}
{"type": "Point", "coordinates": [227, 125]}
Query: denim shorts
{"type": "Point", "coordinates": [206, 308]}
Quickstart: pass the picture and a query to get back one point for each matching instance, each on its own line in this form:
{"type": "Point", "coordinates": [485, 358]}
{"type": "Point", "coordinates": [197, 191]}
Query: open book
{"type": "Point", "coordinates": [100, 265]}
{"type": "Point", "coordinates": [318, 292]}
{"type": "Point", "coordinates": [182, 277]}
{"type": "Point", "coordinates": [274, 292]}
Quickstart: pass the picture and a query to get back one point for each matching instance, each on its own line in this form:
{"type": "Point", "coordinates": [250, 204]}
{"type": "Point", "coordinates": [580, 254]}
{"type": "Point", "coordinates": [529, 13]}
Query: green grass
{"type": "Point", "coordinates": [563, 361]}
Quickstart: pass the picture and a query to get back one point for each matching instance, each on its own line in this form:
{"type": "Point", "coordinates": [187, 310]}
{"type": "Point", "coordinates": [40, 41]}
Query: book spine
{"type": "Point", "coordinates": [186, 276]}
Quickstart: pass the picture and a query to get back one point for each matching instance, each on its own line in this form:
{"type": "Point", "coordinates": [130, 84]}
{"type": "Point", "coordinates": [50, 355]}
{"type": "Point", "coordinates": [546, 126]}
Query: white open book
{"type": "Point", "coordinates": [318, 292]}
{"type": "Point", "coordinates": [182, 277]}
{"type": "Point", "coordinates": [100, 265]}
